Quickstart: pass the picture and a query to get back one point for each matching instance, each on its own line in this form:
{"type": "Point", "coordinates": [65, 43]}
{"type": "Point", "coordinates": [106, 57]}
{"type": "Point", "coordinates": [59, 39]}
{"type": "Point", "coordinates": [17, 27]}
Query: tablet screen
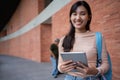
{"type": "Point", "coordinates": [75, 56]}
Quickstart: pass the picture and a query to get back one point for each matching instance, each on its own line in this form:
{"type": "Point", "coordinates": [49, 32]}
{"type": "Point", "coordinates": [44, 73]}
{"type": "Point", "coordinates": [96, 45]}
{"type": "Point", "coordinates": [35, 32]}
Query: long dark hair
{"type": "Point", "coordinates": [70, 37]}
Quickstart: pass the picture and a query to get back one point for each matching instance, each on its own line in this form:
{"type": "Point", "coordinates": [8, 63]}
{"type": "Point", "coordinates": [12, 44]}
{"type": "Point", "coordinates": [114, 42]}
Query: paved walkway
{"type": "Point", "coordinates": [15, 68]}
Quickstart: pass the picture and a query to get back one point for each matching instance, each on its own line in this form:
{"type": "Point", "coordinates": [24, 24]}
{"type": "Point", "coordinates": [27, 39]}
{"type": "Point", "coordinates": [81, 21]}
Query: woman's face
{"type": "Point", "coordinates": [79, 18]}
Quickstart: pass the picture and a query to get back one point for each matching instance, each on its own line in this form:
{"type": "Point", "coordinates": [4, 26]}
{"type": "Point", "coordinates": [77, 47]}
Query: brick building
{"type": "Point", "coordinates": [34, 44]}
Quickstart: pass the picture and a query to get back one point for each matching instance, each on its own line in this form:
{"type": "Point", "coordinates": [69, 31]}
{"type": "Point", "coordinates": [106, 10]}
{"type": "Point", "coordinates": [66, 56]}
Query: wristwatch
{"type": "Point", "coordinates": [99, 73]}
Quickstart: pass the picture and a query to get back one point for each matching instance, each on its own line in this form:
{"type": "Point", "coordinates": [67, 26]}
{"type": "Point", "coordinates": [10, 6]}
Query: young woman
{"type": "Point", "coordinates": [81, 39]}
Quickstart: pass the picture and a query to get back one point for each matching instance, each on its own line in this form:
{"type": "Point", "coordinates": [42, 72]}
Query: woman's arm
{"type": "Point", "coordinates": [105, 65]}
{"type": "Point", "coordinates": [60, 50]}
{"type": "Point", "coordinates": [64, 66]}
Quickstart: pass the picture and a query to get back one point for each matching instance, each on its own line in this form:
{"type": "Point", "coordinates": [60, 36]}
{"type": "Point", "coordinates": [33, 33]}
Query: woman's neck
{"type": "Point", "coordinates": [80, 31]}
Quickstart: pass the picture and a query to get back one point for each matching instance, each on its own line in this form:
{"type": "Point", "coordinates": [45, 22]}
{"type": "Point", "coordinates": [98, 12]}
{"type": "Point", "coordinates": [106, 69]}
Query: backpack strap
{"type": "Point", "coordinates": [99, 47]}
{"type": "Point", "coordinates": [108, 75]}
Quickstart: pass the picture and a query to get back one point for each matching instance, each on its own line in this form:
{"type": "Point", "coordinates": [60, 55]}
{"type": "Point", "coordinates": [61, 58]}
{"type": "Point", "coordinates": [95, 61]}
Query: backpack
{"type": "Point", "coordinates": [108, 75]}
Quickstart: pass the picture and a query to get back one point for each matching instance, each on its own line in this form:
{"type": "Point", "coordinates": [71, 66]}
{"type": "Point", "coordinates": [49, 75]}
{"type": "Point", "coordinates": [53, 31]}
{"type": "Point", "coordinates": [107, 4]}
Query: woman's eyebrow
{"type": "Point", "coordinates": [80, 12]}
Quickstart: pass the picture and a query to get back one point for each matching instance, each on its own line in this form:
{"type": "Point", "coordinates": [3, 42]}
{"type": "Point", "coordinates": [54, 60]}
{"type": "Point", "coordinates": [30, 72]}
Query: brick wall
{"type": "Point", "coordinates": [105, 18]}
{"type": "Point", "coordinates": [27, 45]}
{"type": "Point", "coordinates": [46, 40]}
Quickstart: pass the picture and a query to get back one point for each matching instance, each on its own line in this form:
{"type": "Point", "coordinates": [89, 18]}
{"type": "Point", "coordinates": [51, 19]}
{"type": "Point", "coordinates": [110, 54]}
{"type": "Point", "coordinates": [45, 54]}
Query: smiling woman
{"type": "Point", "coordinates": [81, 39]}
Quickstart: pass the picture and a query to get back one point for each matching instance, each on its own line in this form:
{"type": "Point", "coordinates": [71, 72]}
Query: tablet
{"type": "Point", "coordinates": [75, 56]}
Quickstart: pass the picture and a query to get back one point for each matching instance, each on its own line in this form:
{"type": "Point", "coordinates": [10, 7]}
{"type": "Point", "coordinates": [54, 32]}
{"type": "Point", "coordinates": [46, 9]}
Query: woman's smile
{"type": "Point", "coordinates": [78, 23]}
{"type": "Point", "coordinates": [79, 18]}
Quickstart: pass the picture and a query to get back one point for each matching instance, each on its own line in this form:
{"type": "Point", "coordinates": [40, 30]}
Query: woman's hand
{"type": "Point", "coordinates": [85, 69]}
{"type": "Point", "coordinates": [67, 66]}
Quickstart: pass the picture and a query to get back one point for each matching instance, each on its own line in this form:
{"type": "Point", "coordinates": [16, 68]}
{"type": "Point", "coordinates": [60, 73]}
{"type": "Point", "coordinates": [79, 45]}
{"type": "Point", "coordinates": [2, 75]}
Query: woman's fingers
{"type": "Point", "coordinates": [81, 65]}
{"type": "Point", "coordinates": [87, 70]}
{"type": "Point", "coordinates": [67, 62]}
{"type": "Point", "coordinates": [68, 66]}
{"type": "Point", "coordinates": [68, 69]}
{"type": "Point", "coordinates": [81, 70]}
{"type": "Point", "coordinates": [92, 70]}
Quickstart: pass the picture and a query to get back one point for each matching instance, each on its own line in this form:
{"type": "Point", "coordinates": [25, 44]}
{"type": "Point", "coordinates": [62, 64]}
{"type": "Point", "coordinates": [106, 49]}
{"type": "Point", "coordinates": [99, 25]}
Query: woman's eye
{"type": "Point", "coordinates": [82, 13]}
{"type": "Point", "coordinates": [74, 14]}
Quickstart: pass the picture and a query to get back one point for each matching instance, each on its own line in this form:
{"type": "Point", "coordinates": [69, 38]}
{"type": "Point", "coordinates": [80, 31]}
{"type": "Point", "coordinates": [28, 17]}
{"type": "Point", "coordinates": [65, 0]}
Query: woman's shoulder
{"type": "Point", "coordinates": [94, 33]}
{"type": "Point", "coordinates": [91, 33]}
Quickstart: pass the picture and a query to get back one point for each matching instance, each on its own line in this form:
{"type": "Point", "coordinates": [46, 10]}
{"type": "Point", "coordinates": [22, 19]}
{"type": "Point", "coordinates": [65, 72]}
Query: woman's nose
{"type": "Point", "coordinates": [78, 17]}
